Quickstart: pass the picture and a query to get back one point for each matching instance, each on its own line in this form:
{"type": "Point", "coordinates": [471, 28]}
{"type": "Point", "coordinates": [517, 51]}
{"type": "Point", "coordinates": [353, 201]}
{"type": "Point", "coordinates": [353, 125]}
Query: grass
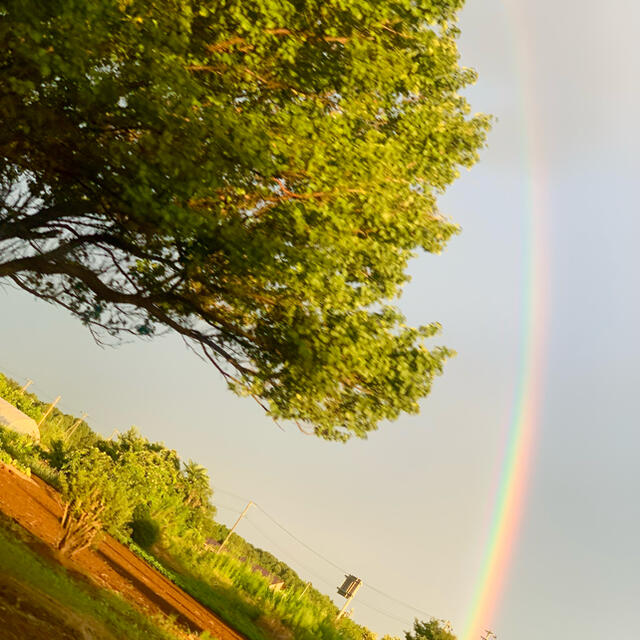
{"type": "Point", "coordinates": [243, 598]}
{"type": "Point", "coordinates": [224, 600]}
{"type": "Point", "coordinates": [20, 562]}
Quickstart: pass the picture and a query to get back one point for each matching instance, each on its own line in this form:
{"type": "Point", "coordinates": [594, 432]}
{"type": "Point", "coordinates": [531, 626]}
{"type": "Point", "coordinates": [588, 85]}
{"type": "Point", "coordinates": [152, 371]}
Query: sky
{"type": "Point", "coordinates": [553, 202]}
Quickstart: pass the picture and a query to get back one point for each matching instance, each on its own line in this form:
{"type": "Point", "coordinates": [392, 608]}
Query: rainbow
{"type": "Point", "coordinates": [519, 444]}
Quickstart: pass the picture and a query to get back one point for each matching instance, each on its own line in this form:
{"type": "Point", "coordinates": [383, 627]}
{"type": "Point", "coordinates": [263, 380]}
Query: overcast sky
{"type": "Point", "coordinates": [408, 510]}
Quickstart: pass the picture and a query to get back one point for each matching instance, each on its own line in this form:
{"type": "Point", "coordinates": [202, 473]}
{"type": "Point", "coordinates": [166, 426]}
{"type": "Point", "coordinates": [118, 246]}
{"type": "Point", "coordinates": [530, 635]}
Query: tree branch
{"type": "Point", "coordinates": [151, 304]}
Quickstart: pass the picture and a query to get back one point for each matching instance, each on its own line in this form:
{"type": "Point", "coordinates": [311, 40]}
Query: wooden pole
{"type": "Point", "coordinates": [26, 385]}
{"type": "Point", "coordinates": [242, 515]}
{"type": "Point", "coordinates": [49, 410]}
{"type": "Point", "coordinates": [349, 599]}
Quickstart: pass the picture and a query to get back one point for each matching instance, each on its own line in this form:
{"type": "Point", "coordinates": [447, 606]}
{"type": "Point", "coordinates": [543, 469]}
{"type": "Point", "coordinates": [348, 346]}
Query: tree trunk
{"type": "Point", "coordinates": [79, 527]}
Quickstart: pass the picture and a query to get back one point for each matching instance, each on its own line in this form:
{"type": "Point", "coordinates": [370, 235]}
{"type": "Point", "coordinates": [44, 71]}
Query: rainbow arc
{"type": "Point", "coordinates": [519, 447]}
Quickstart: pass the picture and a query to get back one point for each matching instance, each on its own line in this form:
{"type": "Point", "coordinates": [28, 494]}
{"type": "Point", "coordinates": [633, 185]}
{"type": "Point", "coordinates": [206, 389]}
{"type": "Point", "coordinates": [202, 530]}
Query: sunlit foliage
{"type": "Point", "coordinates": [254, 176]}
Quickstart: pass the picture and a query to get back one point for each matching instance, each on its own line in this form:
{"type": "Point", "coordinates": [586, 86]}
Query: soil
{"type": "Point", "coordinates": [38, 508]}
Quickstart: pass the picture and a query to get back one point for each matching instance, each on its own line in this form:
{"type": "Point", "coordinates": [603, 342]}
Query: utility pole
{"type": "Point", "coordinates": [26, 385]}
{"type": "Point", "coordinates": [49, 410]}
{"type": "Point", "coordinates": [242, 515]}
{"type": "Point", "coordinates": [346, 604]}
{"type": "Point", "coordinates": [348, 589]}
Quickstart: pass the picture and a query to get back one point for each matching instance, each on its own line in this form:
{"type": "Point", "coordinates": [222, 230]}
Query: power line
{"type": "Point", "coordinates": [224, 506]}
{"type": "Point", "coordinates": [304, 544]}
{"type": "Point", "coordinates": [384, 613]}
{"type": "Point", "coordinates": [404, 604]}
{"type": "Point", "coordinates": [287, 553]}
{"type": "Point", "coordinates": [318, 577]}
{"type": "Point", "coordinates": [365, 584]}
{"type": "Point", "coordinates": [228, 493]}
{"type": "Point", "coordinates": [333, 564]}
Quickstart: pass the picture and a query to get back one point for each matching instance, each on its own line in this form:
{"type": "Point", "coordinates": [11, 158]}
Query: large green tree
{"type": "Point", "coordinates": [251, 175]}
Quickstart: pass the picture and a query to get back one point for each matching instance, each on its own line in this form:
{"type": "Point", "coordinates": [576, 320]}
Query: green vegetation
{"type": "Point", "coordinates": [22, 451]}
{"type": "Point", "coordinates": [144, 495]}
{"type": "Point", "coordinates": [94, 605]}
{"type": "Point", "coordinates": [252, 176]}
{"type": "Point", "coordinates": [430, 630]}
{"type": "Point", "coordinates": [57, 426]}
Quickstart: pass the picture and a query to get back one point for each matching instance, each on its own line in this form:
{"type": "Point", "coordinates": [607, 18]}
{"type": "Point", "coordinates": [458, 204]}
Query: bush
{"type": "Point", "coordinates": [57, 454]}
{"type": "Point", "coordinates": [145, 531]}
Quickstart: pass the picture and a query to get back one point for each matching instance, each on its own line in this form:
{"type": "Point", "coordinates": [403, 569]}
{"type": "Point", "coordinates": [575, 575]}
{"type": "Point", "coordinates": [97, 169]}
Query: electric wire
{"type": "Point", "coordinates": [318, 577]}
{"type": "Point", "coordinates": [396, 600]}
{"type": "Point", "coordinates": [287, 553]}
{"type": "Point", "coordinates": [334, 565]}
{"type": "Point", "coordinates": [227, 508]}
{"type": "Point", "coordinates": [299, 541]}
{"type": "Point", "coordinates": [383, 613]}
{"type": "Point", "coordinates": [229, 493]}
{"type": "Point", "coordinates": [364, 584]}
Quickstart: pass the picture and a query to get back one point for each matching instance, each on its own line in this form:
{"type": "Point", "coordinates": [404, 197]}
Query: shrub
{"type": "Point", "coordinates": [145, 531]}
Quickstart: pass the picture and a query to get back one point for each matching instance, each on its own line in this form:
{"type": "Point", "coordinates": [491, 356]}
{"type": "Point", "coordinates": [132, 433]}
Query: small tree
{"type": "Point", "coordinates": [93, 497]}
{"type": "Point", "coordinates": [434, 629]}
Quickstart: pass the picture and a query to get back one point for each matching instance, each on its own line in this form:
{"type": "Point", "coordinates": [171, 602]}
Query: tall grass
{"type": "Point", "coordinates": [244, 600]}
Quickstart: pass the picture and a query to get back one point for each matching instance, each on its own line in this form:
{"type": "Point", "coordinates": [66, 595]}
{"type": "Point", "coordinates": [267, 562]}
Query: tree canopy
{"type": "Point", "coordinates": [432, 629]}
{"type": "Point", "coordinates": [253, 176]}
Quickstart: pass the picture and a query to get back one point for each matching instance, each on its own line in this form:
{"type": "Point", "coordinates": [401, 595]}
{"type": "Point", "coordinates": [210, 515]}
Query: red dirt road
{"type": "Point", "coordinates": [38, 508]}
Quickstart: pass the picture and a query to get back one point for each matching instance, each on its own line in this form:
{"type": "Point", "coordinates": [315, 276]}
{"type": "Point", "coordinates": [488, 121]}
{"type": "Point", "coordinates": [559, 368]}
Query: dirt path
{"type": "Point", "coordinates": [38, 508]}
